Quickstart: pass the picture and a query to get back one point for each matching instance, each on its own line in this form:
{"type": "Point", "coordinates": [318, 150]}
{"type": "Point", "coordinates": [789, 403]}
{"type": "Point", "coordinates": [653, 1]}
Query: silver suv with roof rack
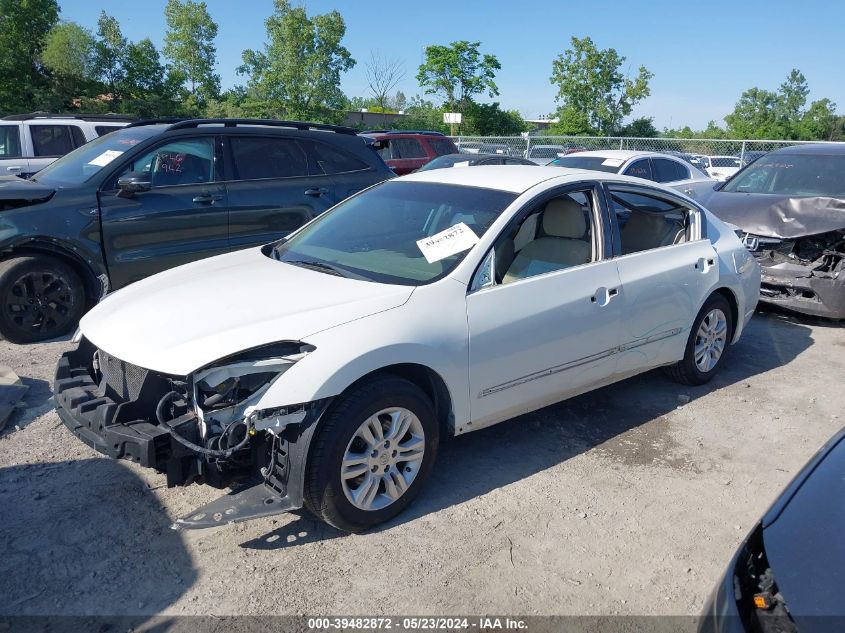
{"type": "Point", "coordinates": [30, 142]}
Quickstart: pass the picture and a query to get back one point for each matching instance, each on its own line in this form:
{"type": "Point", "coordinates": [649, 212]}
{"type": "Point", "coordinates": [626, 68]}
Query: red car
{"type": "Point", "coordinates": [405, 151]}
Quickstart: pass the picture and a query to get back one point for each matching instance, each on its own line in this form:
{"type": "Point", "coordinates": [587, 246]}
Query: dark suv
{"type": "Point", "coordinates": [155, 195]}
{"type": "Point", "coordinates": [407, 151]}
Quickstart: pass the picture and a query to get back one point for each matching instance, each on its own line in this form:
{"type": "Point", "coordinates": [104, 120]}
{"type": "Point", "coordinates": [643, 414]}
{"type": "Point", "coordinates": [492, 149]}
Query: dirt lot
{"type": "Point", "coordinates": [629, 500]}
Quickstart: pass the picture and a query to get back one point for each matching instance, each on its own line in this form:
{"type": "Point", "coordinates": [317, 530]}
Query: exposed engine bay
{"type": "Point", "coordinates": [202, 428]}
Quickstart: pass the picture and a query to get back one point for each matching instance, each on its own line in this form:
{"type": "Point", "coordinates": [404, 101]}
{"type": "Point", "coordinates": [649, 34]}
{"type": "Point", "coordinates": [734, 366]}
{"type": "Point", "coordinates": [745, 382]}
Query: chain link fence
{"type": "Point", "coordinates": [542, 149]}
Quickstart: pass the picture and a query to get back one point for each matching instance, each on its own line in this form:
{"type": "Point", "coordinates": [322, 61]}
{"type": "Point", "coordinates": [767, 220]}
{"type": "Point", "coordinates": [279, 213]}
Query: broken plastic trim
{"type": "Point", "coordinates": [284, 479]}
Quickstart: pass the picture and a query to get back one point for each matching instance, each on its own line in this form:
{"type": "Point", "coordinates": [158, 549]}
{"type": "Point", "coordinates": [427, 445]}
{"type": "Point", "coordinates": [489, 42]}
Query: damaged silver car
{"type": "Point", "coordinates": [790, 208]}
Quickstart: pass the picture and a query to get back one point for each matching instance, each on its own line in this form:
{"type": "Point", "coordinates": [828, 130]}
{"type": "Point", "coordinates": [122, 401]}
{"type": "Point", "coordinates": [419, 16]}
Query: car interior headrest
{"type": "Point", "coordinates": [563, 217]}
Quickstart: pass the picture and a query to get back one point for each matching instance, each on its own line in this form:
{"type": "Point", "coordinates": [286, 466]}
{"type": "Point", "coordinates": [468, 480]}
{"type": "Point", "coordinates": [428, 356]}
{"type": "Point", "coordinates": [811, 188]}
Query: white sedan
{"type": "Point", "coordinates": [663, 168]}
{"type": "Point", "coordinates": [720, 167]}
{"type": "Point", "coordinates": [325, 368]}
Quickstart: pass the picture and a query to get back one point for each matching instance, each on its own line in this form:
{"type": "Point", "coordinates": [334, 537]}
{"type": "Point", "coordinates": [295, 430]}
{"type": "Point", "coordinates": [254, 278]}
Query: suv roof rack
{"type": "Point", "coordinates": [428, 132]}
{"type": "Point", "coordinates": [81, 117]}
{"type": "Point", "coordinates": [298, 125]}
{"type": "Point", "coordinates": [158, 121]}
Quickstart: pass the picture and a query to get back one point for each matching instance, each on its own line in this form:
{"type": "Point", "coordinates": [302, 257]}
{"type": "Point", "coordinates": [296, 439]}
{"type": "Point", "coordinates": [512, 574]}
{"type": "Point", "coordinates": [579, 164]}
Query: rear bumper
{"type": "Point", "coordinates": [102, 424]}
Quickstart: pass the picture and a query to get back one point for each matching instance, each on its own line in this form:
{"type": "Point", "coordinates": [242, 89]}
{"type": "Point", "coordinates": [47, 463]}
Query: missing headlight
{"type": "Point", "coordinates": [232, 390]}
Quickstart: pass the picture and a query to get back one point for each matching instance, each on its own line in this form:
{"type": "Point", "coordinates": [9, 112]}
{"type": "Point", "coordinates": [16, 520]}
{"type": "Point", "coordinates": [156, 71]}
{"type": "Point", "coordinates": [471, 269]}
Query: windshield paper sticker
{"type": "Point", "coordinates": [613, 162]}
{"type": "Point", "coordinates": [105, 158]}
{"type": "Point", "coordinates": [456, 239]}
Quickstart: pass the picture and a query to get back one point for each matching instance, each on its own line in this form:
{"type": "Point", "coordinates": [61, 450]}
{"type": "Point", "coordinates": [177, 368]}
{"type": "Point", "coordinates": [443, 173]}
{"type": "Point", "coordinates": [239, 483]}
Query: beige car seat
{"type": "Point", "coordinates": [563, 244]}
{"type": "Point", "coordinates": [644, 231]}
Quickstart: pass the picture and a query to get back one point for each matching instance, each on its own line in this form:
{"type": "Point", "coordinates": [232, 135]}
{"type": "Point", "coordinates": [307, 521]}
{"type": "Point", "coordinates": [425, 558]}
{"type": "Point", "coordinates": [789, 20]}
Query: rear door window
{"type": "Point", "coordinates": [263, 157]}
{"type": "Point", "coordinates": [331, 160]}
{"type": "Point", "coordinates": [10, 141]}
{"type": "Point", "coordinates": [442, 146]}
{"type": "Point", "coordinates": [640, 169]}
{"type": "Point", "coordinates": [666, 170]}
{"type": "Point", "coordinates": [55, 140]}
{"type": "Point", "coordinates": [105, 129]}
{"type": "Point", "coordinates": [406, 148]}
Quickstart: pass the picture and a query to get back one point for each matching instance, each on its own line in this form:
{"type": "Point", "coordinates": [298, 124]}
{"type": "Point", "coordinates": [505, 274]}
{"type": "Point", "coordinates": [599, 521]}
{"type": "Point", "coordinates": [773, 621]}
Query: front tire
{"type": "Point", "coordinates": [372, 454]}
{"type": "Point", "coordinates": [708, 342]}
{"type": "Point", "coordinates": [40, 298]}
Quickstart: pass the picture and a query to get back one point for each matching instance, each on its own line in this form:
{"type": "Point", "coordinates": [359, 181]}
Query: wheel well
{"type": "Point", "coordinates": [730, 297]}
{"type": "Point", "coordinates": [92, 285]}
{"type": "Point", "coordinates": [430, 382]}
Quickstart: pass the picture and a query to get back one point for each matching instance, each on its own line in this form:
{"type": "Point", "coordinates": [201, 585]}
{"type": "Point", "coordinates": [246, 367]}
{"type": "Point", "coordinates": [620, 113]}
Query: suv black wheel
{"type": "Point", "coordinates": [41, 297]}
{"type": "Point", "coordinates": [372, 453]}
{"type": "Point", "coordinates": [707, 345]}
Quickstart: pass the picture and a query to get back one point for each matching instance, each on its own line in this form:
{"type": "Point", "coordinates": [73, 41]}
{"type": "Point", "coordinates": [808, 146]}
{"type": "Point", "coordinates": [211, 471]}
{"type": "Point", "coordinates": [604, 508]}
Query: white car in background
{"type": "Point", "coordinates": [542, 154]}
{"type": "Point", "coordinates": [663, 168]}
{"type": "Point", "coordinates": [30, 142]}
{"type": "Point", "coordinates": [721, 167]}
{"type": "Point", "coordinates": [325, 367]}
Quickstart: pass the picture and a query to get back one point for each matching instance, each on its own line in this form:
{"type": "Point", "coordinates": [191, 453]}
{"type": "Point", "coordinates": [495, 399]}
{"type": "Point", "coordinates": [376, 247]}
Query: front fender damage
{"type": "Point", "coordinates": [282, 486]}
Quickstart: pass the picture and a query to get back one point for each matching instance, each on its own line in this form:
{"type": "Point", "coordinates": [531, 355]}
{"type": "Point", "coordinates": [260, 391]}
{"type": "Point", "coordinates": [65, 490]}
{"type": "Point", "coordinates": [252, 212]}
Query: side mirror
{"type": "Point", "coordinates": [134, 182]}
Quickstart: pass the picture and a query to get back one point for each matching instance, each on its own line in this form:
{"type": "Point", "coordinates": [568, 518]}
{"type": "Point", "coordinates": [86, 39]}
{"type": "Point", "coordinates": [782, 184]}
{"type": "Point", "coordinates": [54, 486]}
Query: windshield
{"type": "Point", "coordinates": [82, 163]}
{"type": "Point", "coordinates": [546, 152]}
{"type": "Point", "coordinates": [406, 233]}
{"type": "Point", "coordinates": [799, 175]}
{"type": "Point", "coordinates": [596, 163]}
{"type": "Point", "coordinates": [724, 161]}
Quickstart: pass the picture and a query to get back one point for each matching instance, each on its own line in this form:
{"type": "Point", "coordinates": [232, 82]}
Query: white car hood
{"type": "Point", "coordinates": [182, 319]}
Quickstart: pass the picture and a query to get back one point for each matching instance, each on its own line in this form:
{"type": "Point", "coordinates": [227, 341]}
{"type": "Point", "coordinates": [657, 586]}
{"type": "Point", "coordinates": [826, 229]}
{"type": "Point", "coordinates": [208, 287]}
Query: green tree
{"type": "Point", "coordinates": [400, 101]}
{"type": "Point", "coordinates": [792, 97]}
{"type": "Point", "coordinates": [69, 51]}
{"type": "Point", "coordinates": [756, 116]}
{"type": "Point", "coordinates": [818, 123]}
{"type": "Point", "coordinates": [571, 122]}
{"type": "Point", "coordinates": [189, 44]}
{"type": "Point", "coordinates": [591, 84]}
{"type": "Point", "coordinates": [24, 25]}
{"type": "Point", "coordinates": [488, 119]}
{"type": "Point", "coordinates": [457, 72]}
{"type": "Point", "coordinates": [298, 72]}
{"type": "Point", "coordinates": [642, 127]}
{"type": "Point", "coordinates": [110, 50]}
{"type": "Point", "coordinates": [68, 55]}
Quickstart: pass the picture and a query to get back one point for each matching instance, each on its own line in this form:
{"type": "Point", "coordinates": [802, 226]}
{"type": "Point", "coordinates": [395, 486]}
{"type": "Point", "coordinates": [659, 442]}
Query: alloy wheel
{"type": "Point", "coordinates": [40, 301]}
{"type": "Point", "coordinates": [382, 459]}
{"type": "Point", "coordinates": [710, 340]}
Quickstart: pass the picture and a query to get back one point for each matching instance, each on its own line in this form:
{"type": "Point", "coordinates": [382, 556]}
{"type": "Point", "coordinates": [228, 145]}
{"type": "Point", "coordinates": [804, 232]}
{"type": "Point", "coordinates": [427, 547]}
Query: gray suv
{"type": "Point", "coordinates": [155, 195]}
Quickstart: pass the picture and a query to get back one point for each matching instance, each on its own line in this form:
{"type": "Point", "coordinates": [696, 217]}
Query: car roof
{"type": "Point", "coordinates": [836, 149]}
{"type": "Point", "coordinates": [623, 154]}
{"type": "Point", "coordinates": [513, 178]}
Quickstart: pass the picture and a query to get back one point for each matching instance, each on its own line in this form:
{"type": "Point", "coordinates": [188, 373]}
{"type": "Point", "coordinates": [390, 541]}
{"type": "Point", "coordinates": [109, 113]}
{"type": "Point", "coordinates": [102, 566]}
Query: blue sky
{"type": "Point", "coordinates": [703, 53]}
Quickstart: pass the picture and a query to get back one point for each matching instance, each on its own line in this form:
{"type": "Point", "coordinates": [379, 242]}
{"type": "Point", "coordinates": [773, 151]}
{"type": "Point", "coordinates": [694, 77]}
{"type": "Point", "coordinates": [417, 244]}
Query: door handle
{"type": "Point", "coordinates": [15, 169]}
{"type": "Point", "coordinates": [603, 295]}
{"type": "Point", "coordinates": [207, 198]}
{"type": "Point", "coordinates": [314, 191]}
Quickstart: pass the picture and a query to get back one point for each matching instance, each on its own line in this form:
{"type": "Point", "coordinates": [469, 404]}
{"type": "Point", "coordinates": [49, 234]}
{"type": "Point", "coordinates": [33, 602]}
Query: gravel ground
{"type": "Point", "coordinates": [628, 500]}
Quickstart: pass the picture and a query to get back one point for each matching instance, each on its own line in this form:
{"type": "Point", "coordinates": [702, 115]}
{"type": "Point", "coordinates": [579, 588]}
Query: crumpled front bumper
{"type": "Point", "coordinates": [801, 292]}
{"type": "Point", "coordinates": [100, 422]}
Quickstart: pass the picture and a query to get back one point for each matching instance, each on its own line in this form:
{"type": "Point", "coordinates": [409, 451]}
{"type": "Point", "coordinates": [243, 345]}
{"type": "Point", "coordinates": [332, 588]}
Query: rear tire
{"type": "Point", "coordinates": [40, 298]}
{"type": "Point", "coordinates": [709, 339]}
{"type": "Point", "coordinates": [372, 454]}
